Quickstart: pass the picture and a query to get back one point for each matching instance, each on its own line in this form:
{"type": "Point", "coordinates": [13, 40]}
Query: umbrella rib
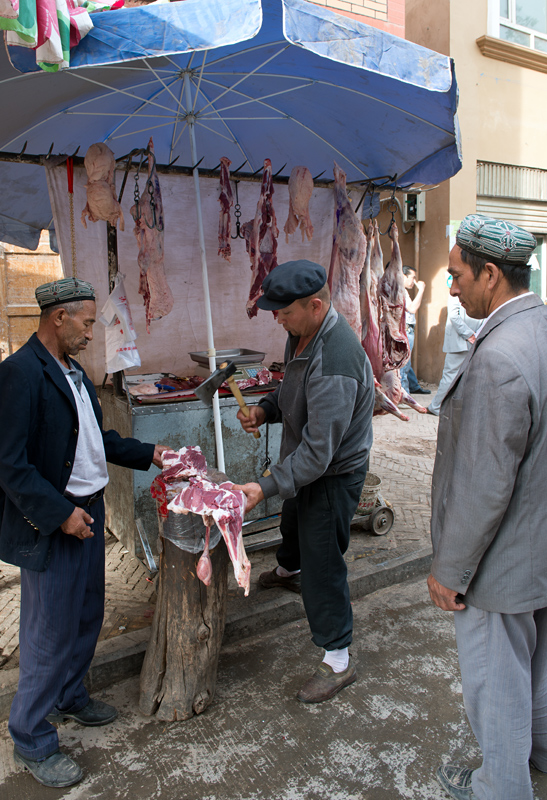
{"type": "Point", "coordinates": [310, 130]}
{"type": "Point", "coordinates": [217, 133]}
{"type": "Point", "coordinates": [174, 138]}
{"type": "Point", "coordinates": [246, 76]}
{"type": "Point", "coordinates": [117, 91]}
{"type": "Point", "coordinates": [266, 97]}
{"type": "Point", "coordinates": [199, 80]}
{"type": "Point", "coordinates": [422, 160]}
{"type": "Point", "coordinates": [234, 137]}
{"type": "Point", "coordinates": [248, 50]}
{"type": "Point", "coordinates": [318, 82]}
{"type": "Point", "coordinates": [162, 82]}
{"type": "Point", "coordinates": [133, 115]}
{"type": "Point", "coordinates": [141, 130]}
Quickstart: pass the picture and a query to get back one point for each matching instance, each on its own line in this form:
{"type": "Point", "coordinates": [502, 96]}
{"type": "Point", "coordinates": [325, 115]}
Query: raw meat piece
{"type": "Point", "coordinates": [227, 509]}
{"type": "Point", "coordinates": [261, 239]}
{"type": "Point", "coordinates": [349, 247]}
{"type": "Point", "coordinates": [226, 201]}
{"type": "Point", "coordinates": [158, 300]}
{"type": "Point", "coordinates": [391, 294]}
{"type": "Point", "coordinates": [370, 310]}
{"type": "Point", "coordinates": [300, 192]}
{"type": "Point", "coordinates": [391, 386]}
{"type": "Point", "coordinates": [204, 569]}
{"type": "Point", "coordinates": [383, 405]}
{"type": "Point", "coordinates": [214, 502]}
{"type": "Point", "coordinates": [102, 201]}
{"type": "Point", "coordinates": [185, 463]}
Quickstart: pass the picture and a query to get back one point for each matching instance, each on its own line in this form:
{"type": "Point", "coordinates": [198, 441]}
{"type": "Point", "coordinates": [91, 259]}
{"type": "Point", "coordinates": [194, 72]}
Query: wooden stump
{"type": "Point", "coordinates": [179, 672]}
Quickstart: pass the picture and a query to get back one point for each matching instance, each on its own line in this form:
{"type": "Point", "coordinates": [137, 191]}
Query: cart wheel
{"type": "Point", "coordinates": [381, 520]}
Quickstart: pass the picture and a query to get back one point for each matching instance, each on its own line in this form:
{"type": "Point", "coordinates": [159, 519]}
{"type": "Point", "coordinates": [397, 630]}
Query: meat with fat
{"type": "Point", "coordinates": [371, 338]}
{"type": "Point", "coordinates": [349, 247]}
{"type": "Point", "coordinates": [391, 294]}
{"type": "Point", "coordinates": [149, 229]}
{"type": "Point", "coordinates": [300, 192]}
{"type": "Point", "coordinates": [226, 200]}
{"type": "Point", "coordinates": [102, 201]}
{"type": "Point", "coordinates": [215, 503]}
{"type": "Point", "coordinates": [261, 239]}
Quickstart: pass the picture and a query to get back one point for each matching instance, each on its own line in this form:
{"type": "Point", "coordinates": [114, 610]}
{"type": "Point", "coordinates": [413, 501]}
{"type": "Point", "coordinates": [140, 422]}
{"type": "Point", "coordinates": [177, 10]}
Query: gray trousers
{"type": "Point", "coordinates": [503, 662]}
{"type": "Point", "coordinates": [452, 364]}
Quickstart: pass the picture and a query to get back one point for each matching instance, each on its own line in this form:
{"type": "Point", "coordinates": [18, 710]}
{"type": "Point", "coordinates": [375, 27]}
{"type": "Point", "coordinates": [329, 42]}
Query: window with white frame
{"type": "Point", "coordinates": [522, 22]}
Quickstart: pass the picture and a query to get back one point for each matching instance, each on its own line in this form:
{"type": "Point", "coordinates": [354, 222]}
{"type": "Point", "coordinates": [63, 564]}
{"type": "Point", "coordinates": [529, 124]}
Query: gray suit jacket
{"type": "Point", "coordinates": [489, 493]}
{"type": "Point", "coordinates": [459, 327]}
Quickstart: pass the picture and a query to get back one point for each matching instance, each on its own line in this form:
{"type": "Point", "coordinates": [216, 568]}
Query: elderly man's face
{"type": "Point", "coordinates": [77, 331]}
{"type": "Point", "coordinates": [301, 319]}
{"type": "Point", "coordinates": [473, 293]}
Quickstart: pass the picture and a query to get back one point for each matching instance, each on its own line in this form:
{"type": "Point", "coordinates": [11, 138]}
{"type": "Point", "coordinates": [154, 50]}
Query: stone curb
{"type": "Point", "coordinates": [122, 656]}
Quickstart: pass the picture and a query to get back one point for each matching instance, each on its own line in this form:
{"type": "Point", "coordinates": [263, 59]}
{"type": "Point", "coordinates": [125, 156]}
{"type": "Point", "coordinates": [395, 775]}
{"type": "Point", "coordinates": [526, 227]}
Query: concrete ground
{"type": "Point", "coordinates": [380, 739]}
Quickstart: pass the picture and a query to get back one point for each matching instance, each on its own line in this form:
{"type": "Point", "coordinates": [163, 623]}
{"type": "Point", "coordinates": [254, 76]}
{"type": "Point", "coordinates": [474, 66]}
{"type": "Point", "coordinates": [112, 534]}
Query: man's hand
{"type": "Point", "coordinates": [472, 339]}
{"type": "Point", "coordinates": [158, 450]}
{"type": "Point", "coordinates": [420, 286]}
{"type": "Point", "coordinates": [443, 597]}
{"type": "Point", "coordinates": [77, 524]}
{"type": "Point", "coordinates": [253, 493]}
{"type": "Point", "coordinates": [250, 424]}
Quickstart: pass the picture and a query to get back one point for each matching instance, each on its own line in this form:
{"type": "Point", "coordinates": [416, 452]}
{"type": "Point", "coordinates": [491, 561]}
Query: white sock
{"type": "Point", "coordinates": [337, 659]}
{"type": "Point", "coordinates": [284, 573]}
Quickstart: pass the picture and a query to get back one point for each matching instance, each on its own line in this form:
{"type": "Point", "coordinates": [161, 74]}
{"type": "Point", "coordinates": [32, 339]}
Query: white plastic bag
{"type": "Point", "coordinates": [121, 352]}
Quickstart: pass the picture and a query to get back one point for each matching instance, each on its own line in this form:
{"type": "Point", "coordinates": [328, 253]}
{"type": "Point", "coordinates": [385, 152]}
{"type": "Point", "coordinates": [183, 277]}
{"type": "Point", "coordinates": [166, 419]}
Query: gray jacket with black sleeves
{"type": "Point", "coordinates": [325, 403]}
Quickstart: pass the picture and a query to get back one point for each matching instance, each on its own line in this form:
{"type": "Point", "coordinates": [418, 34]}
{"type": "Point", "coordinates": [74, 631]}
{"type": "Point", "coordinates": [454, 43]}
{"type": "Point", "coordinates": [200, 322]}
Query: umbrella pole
{"type": "Point", "coordinates": [208, 315]}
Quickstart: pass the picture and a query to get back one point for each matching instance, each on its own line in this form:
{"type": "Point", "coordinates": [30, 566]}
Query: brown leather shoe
{"type": "Point", "coordinates": [325, 683]}
{"type": "Point", "coordinates": [268, 580]}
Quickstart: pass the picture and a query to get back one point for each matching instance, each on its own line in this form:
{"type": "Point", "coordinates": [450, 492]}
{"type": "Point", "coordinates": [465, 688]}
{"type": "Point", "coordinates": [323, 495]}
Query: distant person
{"type": "Point", "coordinates": [459, 336]}
{"type": "Point", "coordinates": [409, 381]}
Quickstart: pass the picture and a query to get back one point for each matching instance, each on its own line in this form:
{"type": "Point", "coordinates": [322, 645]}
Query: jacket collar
{"type": "Point", "coordinates": [514, 307]}
{"type": "Point", "coordinates": [51, 368]}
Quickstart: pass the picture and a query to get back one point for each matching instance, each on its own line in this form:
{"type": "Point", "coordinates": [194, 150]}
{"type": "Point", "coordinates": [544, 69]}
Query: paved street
{"type": "Point", "coordinates": [380, 739]}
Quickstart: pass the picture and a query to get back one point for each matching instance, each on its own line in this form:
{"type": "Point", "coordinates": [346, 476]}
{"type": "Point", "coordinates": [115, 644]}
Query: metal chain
{"type": "Point", "coordinates": [72, 234]}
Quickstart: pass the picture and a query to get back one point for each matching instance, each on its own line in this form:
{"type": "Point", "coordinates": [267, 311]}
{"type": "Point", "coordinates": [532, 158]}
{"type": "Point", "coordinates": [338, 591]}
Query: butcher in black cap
{"type": "Point", "coordinates": [325, 405]}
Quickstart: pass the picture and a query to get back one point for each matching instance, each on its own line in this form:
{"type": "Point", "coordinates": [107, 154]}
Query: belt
{"type": "Point", "coordinates": [90, 500]}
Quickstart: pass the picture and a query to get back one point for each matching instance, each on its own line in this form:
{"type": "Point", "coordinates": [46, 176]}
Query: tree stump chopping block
{"type": "Point", "coordinates": [180, 666]}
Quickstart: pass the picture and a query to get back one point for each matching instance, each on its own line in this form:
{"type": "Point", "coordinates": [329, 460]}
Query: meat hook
{"type": "Point", "coordinates": [237, 214]}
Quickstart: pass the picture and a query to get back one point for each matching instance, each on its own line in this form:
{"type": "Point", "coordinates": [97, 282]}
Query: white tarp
{"type": "Point", "coordinates": [166, 348]}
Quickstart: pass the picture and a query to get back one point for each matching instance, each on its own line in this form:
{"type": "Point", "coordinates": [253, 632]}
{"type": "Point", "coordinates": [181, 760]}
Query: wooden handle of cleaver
{"type": "Point", "coordinates": [235, 390]}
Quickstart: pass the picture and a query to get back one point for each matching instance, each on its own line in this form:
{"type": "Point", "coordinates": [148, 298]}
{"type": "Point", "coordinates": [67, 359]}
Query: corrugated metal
{"type": "Point", "coordinates": [531, 216]}
{"type": "Point", "coordinates": [506, 180]}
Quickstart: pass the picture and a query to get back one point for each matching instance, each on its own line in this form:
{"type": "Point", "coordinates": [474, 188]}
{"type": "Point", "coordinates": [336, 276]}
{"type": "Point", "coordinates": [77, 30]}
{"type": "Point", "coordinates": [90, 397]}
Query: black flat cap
{"type": "Point", "coordinates": [291, 281]}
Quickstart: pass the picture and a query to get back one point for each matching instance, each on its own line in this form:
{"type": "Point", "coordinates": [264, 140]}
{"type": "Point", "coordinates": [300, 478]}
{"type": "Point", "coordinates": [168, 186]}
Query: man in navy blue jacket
{"type": "Point", "coordinates": [53, 454]}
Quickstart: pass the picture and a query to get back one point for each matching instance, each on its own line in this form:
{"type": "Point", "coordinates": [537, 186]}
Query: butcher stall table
{"type": "Point", "coordinates": [130, 508]}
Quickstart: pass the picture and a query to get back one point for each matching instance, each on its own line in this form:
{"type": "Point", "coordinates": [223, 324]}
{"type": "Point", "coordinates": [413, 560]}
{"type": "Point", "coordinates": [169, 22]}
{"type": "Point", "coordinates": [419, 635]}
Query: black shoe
{"type": "Point", "coordinates": [95, 713]}
{"type": "Point", "coordinates": [269, 580]}
{"type": "Point", "coordinates": [55, 770]}
{"type": "Point", "coordinates": [420, 390]}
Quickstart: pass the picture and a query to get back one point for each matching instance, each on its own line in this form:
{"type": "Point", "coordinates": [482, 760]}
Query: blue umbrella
{"type": "Point", "coordinates": [283, 79]}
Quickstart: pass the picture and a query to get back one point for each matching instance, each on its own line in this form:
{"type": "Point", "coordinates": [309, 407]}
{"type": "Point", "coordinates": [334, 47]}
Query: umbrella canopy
{"type": "Point", "coordinates": [284, 79]}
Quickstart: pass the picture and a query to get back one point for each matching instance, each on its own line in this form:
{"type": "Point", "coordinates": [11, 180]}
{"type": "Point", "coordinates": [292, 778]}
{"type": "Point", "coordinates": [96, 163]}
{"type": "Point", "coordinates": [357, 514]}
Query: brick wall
{"type": "Point", "coordinates": [389, 15]}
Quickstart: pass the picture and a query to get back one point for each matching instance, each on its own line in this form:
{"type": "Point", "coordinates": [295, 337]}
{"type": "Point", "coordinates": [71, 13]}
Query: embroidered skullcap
{"type": "Point", "coordinates": [495, 239]}
{"type": "Point", "coordinates": [64, 291]}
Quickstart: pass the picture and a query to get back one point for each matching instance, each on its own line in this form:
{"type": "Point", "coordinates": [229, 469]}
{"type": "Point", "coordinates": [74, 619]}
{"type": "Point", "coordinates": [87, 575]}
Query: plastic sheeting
{"type": "Point", "coordinates": [283, 79]}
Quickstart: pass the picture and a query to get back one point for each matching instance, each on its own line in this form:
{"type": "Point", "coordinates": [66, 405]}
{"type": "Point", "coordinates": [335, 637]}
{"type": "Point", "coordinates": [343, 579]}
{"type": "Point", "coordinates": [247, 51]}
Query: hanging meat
{"type": "Point", "coordinates": [391, 294]}
{"type": "Point", "coordinates": [349, 247]}
{"type": "Point", "coordinates": [370, 311]}
{"type": "Point", "coordinates": [149, 225]}
{"type": "Point", "coordinates": [261, 239]}
{"type": "Point", "coordinates": [300, 192]}
{"type": "Point", "coordinates": [215, 503]}
{"type": "Point", "coordinates": [226, 200]}
{"type": "Point", "coordinates": [102, 201]}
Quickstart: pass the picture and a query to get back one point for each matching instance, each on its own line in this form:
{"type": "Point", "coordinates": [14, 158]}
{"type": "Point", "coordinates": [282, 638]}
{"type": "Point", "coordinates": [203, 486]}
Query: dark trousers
{"type": "Point", "coordinates": [315, 526]}
{"type": "Point", "coordinates": [62, 611]}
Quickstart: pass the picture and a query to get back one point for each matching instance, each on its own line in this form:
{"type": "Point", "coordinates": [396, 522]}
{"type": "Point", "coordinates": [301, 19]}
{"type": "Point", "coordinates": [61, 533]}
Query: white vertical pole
{"type": "Point", "coordinates": [208, 318]}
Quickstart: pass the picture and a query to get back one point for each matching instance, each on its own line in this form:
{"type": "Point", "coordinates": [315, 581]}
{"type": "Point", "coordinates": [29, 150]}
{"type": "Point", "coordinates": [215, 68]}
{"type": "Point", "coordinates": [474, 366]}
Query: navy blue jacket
{"type": "Point", "coordinates": [38, 436]}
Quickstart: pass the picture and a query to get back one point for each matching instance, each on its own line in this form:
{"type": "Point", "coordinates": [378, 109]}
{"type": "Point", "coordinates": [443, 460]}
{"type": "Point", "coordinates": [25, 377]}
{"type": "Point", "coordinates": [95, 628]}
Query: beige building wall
{"type": "Point", "coordinates": [21, 271]}
{"type": "Point", "coordinates": [503, 119]}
